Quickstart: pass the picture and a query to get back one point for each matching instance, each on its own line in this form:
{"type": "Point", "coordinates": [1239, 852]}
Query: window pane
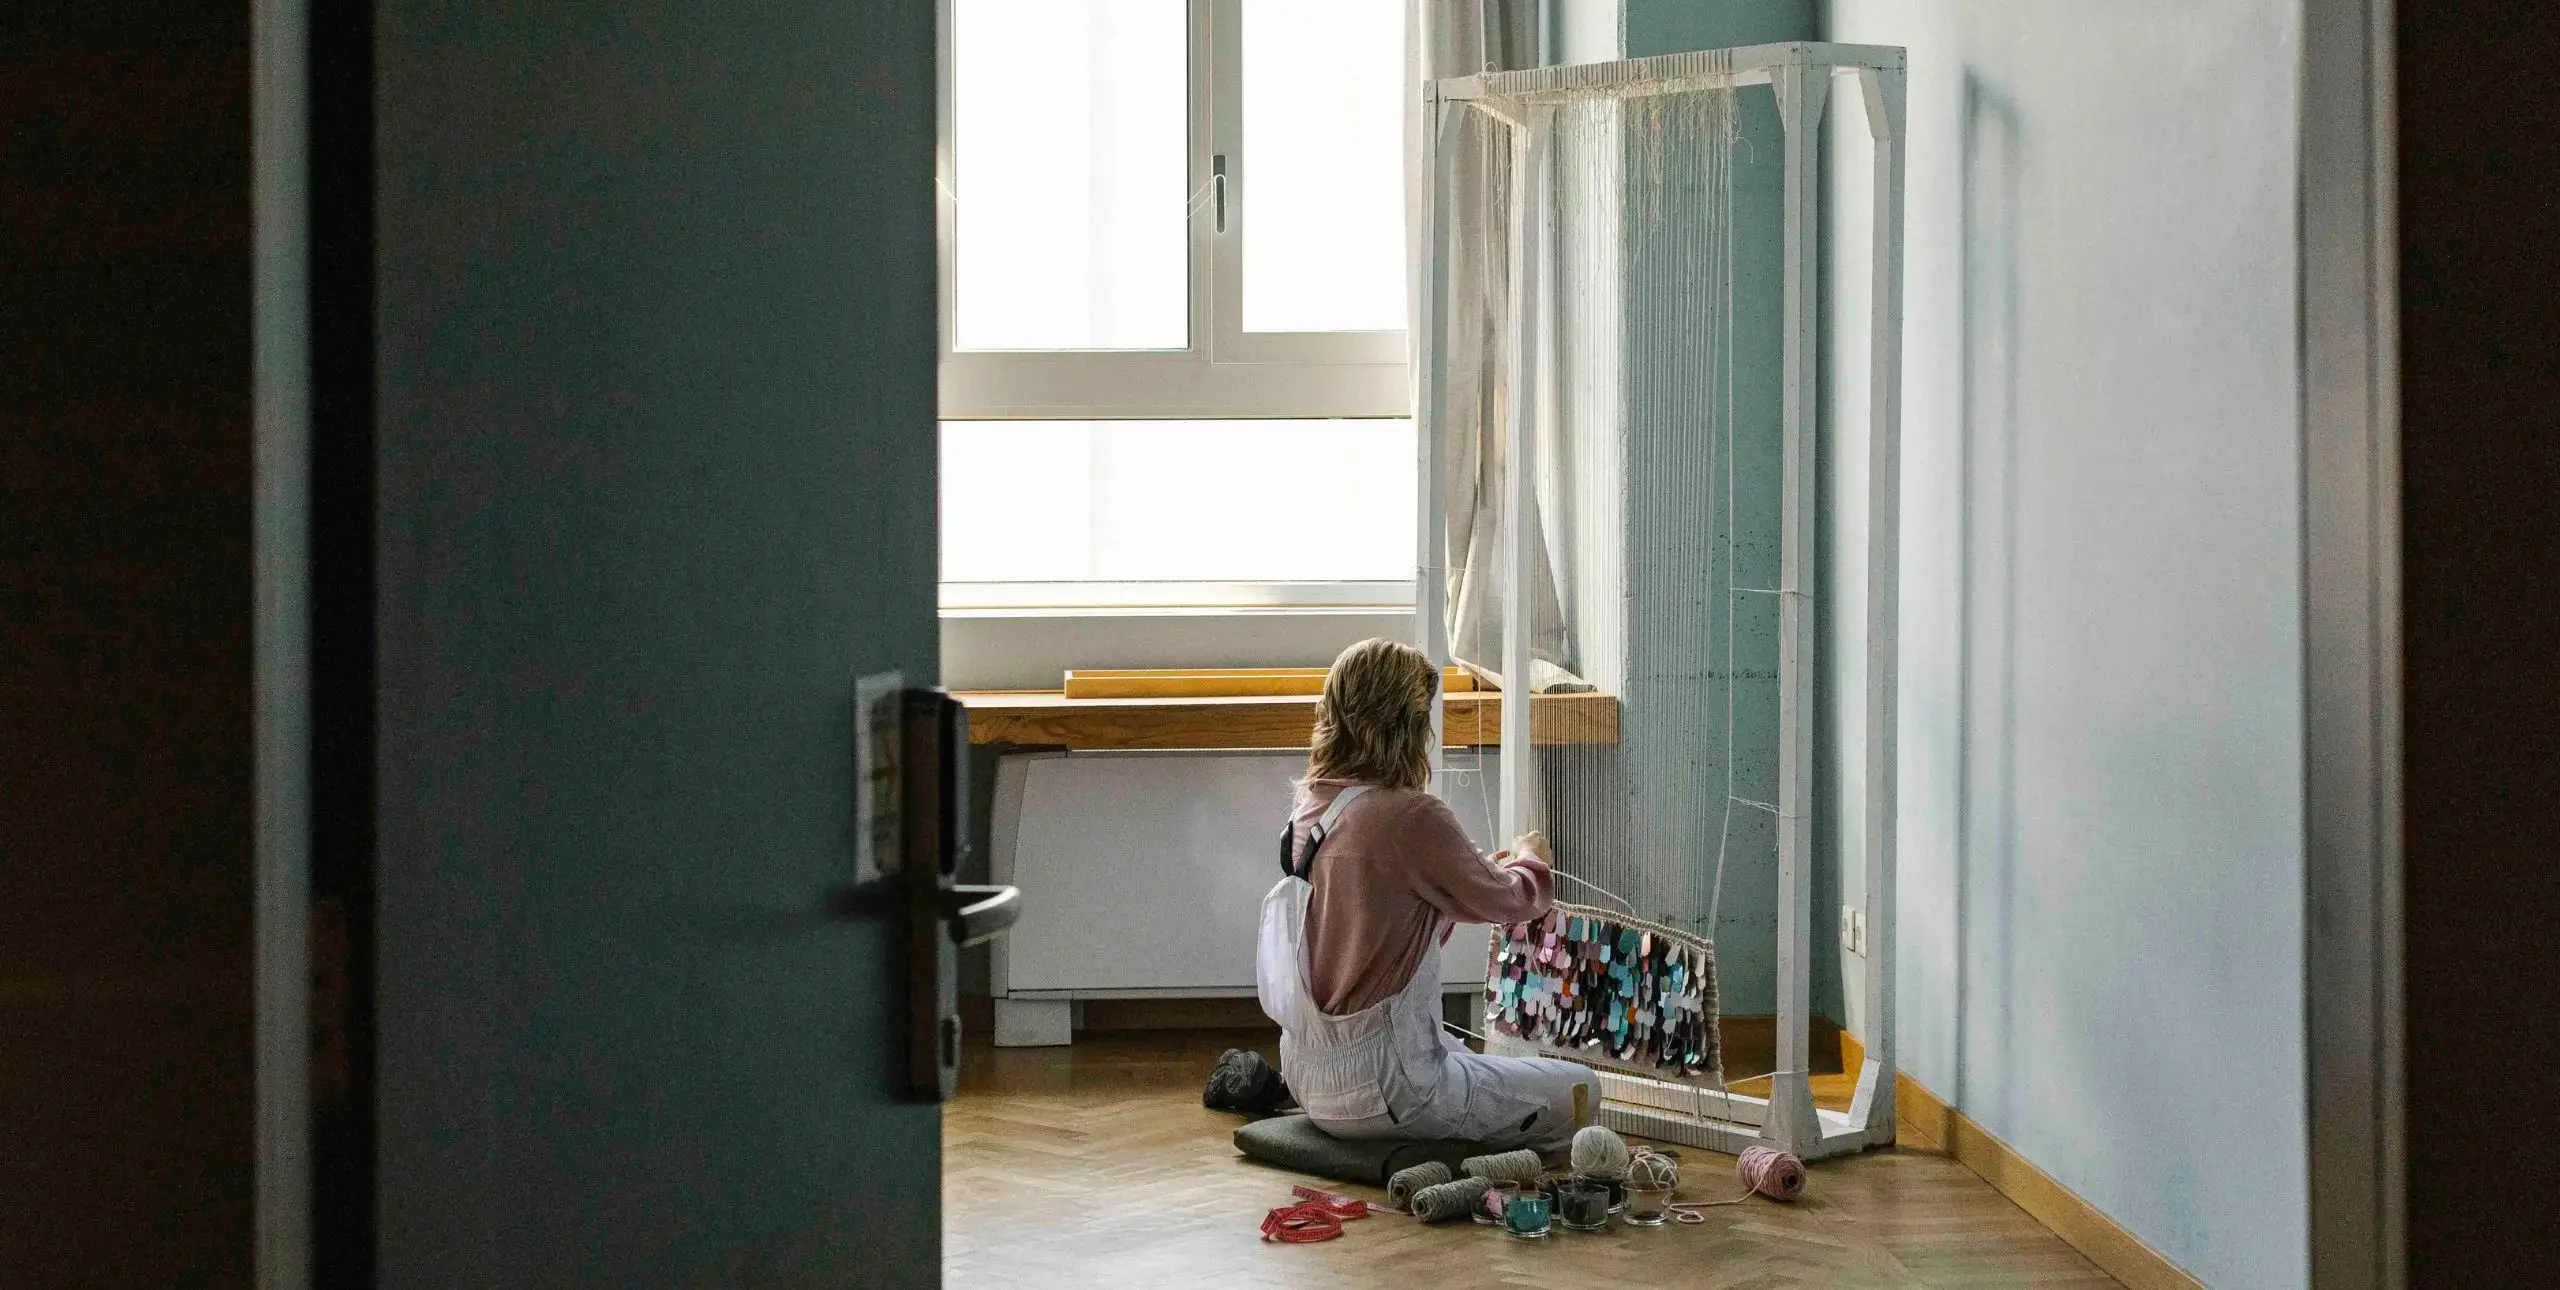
{"type": "Point", "coordinates": [1177, 501]}
{"type": "Point", "coordinates": [1071, 132]}
{"type": "Point", "coordinates": [1323, 165]}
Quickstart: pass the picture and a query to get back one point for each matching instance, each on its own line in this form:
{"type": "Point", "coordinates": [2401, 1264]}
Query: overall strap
{"type": "Point", "coordinates": [1290, 862]}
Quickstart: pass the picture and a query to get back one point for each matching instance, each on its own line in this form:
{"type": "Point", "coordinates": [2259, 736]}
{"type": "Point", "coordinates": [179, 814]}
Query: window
{"type": "Point", "coordinates": [1174, 208]}
{"type": "Point", "coordinates": [1150, 514]}
{"type": "Point", "coordinates": [1173, 348]}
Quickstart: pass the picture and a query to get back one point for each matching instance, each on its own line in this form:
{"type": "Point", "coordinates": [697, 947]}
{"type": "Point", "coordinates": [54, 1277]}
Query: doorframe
{"type": "Point", "coordinates": [280, 576]}
{"type": "Point", "coordinates": [2350, 382]}
{"type": "Point", "coordinates": [312, 575]}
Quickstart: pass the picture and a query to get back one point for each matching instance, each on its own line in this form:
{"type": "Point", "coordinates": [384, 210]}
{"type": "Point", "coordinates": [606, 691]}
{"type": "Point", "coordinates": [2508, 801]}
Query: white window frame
{"type": "Point", "coordinates": [1226, 372]}
{"type": "Point", "coordinates": [1154, 597]}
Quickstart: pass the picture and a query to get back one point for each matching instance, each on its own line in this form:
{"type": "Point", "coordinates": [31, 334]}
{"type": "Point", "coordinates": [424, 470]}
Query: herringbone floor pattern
{"type": "Point", "coordinates": [1095, 1165]}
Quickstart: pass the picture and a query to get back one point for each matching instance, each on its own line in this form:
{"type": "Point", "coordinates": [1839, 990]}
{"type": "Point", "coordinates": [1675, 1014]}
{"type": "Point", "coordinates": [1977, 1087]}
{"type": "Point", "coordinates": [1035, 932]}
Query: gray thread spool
{"type": "Point", "coordinates": [1444, 1201]}
{"type": "Point", "coordinates": [1402, 1188]}
{"type": "Point", "coordinates": [1522, 1166]}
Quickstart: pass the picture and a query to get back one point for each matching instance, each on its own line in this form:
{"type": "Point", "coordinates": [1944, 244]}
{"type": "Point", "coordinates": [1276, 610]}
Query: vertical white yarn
{"type": "Point", "coordinates": [1640, 436]}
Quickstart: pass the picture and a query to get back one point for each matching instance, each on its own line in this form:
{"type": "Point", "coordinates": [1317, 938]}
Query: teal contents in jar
{"type": "Point", "coordinates": [1526, 1216]}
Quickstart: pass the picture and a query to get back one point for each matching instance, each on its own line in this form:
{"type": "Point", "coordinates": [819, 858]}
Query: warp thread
{"type": "Point", "coordinates": [1407, 1181]}
{"type": "Point", "coordinates": [1650, 1168]}
{"type": "Point", "coordinates": [1444, 1201]}
{"type": "Point", "coordinates": [1521, 1166]}
{"type": "Point", "coordinates": [1599, 1153]}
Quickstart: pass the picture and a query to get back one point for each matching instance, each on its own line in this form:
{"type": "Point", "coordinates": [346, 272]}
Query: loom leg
{"type": "Point", "coordinates": [1034, 1023]}
{"type": "Point", "coordinates": [1792, 1123]}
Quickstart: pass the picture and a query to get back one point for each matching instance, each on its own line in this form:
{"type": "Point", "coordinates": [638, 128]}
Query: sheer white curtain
{"type": "Point", "coordinates": [1453, 38]}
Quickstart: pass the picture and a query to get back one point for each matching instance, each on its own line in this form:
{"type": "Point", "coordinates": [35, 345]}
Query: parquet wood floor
{"type": "Point", "coordinates": [1096, 1165]}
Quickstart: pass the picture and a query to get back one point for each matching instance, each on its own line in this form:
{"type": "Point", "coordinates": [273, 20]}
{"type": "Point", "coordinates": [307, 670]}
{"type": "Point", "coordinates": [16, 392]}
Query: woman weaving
{"type": "Point", "coordinates": [1379, 872]}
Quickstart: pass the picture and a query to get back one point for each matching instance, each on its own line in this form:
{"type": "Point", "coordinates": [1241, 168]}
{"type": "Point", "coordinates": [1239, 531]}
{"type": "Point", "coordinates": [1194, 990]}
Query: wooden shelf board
{"type": "Point", "coordinates": [1217, 682]}
{"type": "Point", "coordinates": [1049, 718]}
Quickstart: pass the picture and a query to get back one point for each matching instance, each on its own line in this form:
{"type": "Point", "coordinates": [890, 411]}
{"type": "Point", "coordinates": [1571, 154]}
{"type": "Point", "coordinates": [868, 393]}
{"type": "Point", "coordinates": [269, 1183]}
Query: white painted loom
{"type": "Point", "coordinates": [1544, 341]}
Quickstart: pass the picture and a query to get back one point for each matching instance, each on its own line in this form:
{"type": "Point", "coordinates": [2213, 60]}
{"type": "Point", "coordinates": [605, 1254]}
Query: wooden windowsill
{"type": "Point", "coordinates": [1049, 718]}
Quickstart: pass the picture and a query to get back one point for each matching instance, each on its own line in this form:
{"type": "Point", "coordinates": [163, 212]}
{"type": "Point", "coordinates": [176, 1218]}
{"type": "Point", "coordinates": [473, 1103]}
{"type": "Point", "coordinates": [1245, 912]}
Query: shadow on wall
{"type": "Point", "coordinates": [1986, 785]}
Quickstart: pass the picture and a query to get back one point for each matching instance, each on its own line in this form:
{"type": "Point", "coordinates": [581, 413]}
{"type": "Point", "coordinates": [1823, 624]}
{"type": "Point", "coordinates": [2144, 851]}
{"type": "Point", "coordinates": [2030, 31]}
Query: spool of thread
{"type": "Point", "coordinates": [1401, 1187]}
{"type": "Point", "coordinates": [1778, 1175]}
{"type": "Point", "coordinates": [1652, 1169]}
{"type": "Point", "coordinates": [1599, 1153]}
{"type": "Point", "coordinates": [1441, 1202]}
{"type": "Point", "coordinates": [1522, 1166]}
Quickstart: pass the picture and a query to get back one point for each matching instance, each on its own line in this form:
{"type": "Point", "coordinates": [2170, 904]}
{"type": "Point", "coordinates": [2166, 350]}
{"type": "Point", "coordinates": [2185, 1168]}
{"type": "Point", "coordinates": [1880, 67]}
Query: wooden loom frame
{"type": "Point", "coordinates": [1800, 74]}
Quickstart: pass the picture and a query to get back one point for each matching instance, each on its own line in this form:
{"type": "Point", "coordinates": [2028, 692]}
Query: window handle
{"type": "Point", "coordinates": [1218, 189]}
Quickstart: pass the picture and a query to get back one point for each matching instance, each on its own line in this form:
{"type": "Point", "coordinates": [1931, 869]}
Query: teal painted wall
{"type": "Point", "coordinates": [1747, 931]}
{"type": "Point", "coordinates": [657, 461]}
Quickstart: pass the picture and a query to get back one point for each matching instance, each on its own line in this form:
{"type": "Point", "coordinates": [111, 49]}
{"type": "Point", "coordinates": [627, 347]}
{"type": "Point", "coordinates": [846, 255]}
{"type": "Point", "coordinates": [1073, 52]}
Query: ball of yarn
{"type": "Point", "coordinates": [1401, 1187]}
{"type": "Point", "coordinates": [1653, 1169]}
{"type": "Point", "coordinates": [1599, 1153]}
{"type": "Point", "coordinates": [1776, 1174]}
{"type": "Point", "coordinates": [1444, 1201]}
{"type": "Point", "coordinates": [1522, 1166]}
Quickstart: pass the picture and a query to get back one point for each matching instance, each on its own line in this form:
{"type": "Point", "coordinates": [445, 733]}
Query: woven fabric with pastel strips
{"type": "Point", "coordinates": [1608, 989]}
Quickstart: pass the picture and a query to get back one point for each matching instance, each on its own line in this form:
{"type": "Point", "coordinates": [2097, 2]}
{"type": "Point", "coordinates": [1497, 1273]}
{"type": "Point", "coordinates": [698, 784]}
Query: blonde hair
{"type": "Point", "coordinates": [1373, 724]}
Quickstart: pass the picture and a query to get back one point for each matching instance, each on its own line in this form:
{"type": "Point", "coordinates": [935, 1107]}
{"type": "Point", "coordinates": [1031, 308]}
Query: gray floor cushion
{"type": "Point", "coordinates": [1291, 1142]}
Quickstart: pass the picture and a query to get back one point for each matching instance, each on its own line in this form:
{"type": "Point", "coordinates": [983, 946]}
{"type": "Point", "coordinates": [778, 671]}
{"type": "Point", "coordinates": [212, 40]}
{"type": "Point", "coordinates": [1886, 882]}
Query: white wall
{"type": "Point", "coordinates": [1146, 871]}
{"type": "Point", "coordinates": [2100, 912]}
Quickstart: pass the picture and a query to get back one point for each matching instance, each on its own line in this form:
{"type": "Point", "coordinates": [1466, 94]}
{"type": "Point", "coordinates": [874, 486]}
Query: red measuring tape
{"type": "Point", "coordinates": [1316, 1217]}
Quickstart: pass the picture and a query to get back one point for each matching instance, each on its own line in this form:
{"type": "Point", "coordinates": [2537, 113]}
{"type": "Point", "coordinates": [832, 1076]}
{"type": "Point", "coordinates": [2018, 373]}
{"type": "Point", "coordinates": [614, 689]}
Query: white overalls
{"type": "Point", "coordinates": [1389, 1070]}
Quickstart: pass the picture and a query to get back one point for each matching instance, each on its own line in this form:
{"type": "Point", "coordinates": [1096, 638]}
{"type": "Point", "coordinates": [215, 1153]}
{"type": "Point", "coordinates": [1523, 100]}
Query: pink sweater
{"type": "Point", "coordinates": [1394, 859]}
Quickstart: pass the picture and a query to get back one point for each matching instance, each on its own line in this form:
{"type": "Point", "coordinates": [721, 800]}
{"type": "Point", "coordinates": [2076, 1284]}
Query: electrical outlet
{"type": "Point", "coordinates": [1849, 928]}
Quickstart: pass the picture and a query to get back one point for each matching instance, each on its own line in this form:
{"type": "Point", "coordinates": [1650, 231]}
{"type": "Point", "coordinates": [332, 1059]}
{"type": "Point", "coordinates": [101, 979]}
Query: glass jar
{"type": "Point", "coordinates": [1582, 1204]}
{"type": "Point", "coordinates": [1648, 1206]}
{"type": "Point", "coordinates": [1526, 1216]}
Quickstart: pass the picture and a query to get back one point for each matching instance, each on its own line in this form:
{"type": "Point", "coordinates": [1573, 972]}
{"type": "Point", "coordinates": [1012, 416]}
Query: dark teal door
{"type": "Point", "coordinates": [654, 361]}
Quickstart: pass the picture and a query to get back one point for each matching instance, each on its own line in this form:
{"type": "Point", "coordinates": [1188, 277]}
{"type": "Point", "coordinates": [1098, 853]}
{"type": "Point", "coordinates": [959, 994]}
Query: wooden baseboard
{"type": "Point", "coordinates": [1108, 1015]}
{"type": "Point", "coordinates": [1750, 1043]}
{"type": "Point", "coordinates": [2117, 1252]}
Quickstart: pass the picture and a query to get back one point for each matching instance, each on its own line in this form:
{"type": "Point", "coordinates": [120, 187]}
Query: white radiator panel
{"type": "Point", "coordinates": [1145, 872]}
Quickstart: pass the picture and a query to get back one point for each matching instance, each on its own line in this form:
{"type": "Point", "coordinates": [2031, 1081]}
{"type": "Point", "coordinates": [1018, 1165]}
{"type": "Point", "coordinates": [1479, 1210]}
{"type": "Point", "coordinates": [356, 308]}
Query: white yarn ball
{"type": "Point", "coordinates": [1650, 1169]}
{"type": "Point", "coordinates": [1599, 1152]}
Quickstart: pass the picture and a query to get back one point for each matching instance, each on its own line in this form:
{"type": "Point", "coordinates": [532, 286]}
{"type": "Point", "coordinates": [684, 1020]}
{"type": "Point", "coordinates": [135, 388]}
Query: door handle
{"type": "Point", "coordinates": [975, 915]}
{"type": "Point", "coordinates": [912, 791]}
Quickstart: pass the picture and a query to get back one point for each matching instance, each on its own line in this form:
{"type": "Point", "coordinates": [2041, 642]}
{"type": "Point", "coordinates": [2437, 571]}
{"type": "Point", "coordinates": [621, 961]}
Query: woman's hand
{"type": "Point", "coordinates": [1532, 843]}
